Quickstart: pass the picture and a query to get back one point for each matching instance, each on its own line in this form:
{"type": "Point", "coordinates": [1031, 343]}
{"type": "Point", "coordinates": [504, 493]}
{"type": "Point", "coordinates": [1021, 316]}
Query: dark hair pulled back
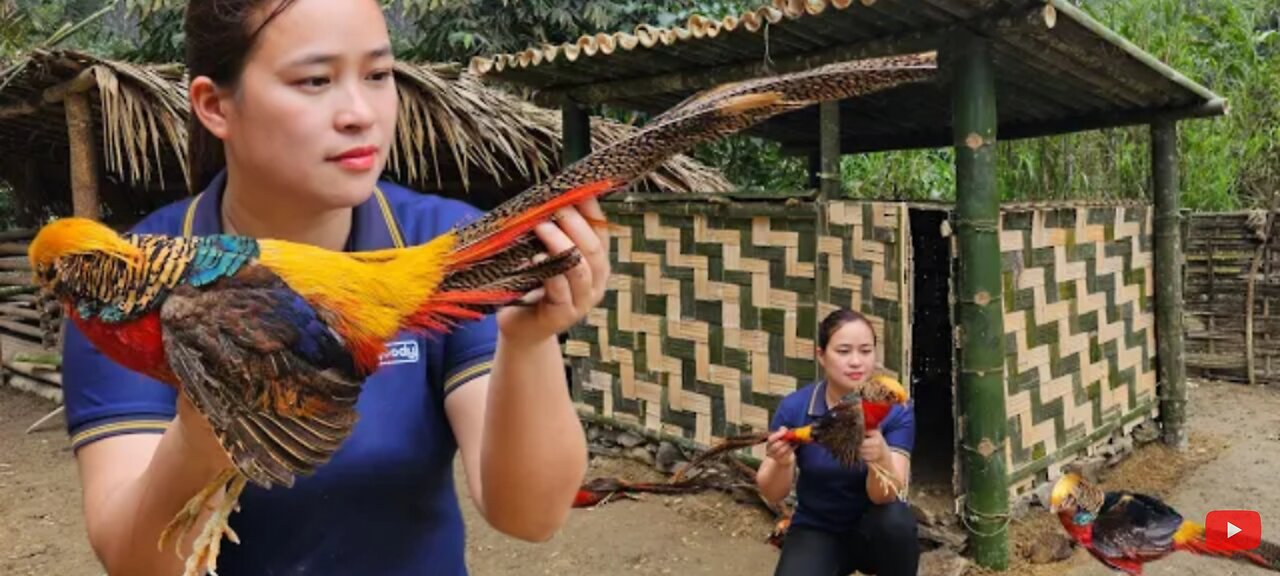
{"type": "Point", "coordinates": [836, 320]}
{"type": "Point", "coordinates": [219, 37]}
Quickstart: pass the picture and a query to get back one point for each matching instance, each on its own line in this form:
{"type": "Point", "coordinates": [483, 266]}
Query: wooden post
{"type": "Point", "coordinates": [575, 121]}
{"type": "Point", "coordinates": [829, 149]}
{"type": "Point", "coordinates": [1170, 369]}
{"type": "Point", "coordinates": [815, 170]}
{"type": "Point", "coordinates": [980, 302]}
{"type": "Point", "coordinates": [84, 156]}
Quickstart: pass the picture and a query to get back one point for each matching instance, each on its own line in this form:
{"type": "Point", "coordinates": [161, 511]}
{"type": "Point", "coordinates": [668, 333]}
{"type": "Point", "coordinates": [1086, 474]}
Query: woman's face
{"type": "Point", "coordinates": [850, 355]}
{"type": "Point", "coordinates": [316, 107]}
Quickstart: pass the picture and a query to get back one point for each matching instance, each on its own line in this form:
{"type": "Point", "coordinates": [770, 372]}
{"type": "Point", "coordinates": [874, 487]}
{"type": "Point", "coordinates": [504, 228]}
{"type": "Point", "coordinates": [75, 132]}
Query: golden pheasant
{"type": "Point", "coordinates": [1126, 530]}
{"type": "Point", "coordinates": [840, 430]}
{"type": "Point", "coordinates": [271, 341]}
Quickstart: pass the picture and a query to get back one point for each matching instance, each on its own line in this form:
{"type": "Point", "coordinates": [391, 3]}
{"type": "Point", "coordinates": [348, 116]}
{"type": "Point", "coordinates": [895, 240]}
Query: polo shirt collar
{"type": "Point", "coordinates": [370, 224]}
{"type": "Point", "coordinates": [818, 400]}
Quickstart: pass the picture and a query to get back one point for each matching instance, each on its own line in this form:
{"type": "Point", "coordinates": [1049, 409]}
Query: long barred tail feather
{"type": "Point", "coordinates": [520, 253]}
{"type": "Point", "coordinates": [484, 293]}
{"type": "Point", "coordinates": [481, 252]}
{"type": "Point", "coordinates": [1191, 538]}
{"type": "Point", "coordinates": [727, 445]}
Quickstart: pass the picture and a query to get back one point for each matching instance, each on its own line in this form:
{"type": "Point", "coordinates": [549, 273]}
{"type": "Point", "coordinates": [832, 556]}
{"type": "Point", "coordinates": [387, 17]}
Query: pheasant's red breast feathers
{"type": "Point", "coordinates": [137, 344]}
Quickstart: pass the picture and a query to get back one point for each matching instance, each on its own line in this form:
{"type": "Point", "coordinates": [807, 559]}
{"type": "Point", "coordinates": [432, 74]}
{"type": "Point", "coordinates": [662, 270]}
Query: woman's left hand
{"type": "Point", "coordinates": [566, 298]}
{"type": "Point", "coordinates": [874, 449]}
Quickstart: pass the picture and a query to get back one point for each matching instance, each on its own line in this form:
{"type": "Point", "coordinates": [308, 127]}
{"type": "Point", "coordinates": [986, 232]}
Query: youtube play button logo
{"type": "Point", "coordinates": [1228, 530]}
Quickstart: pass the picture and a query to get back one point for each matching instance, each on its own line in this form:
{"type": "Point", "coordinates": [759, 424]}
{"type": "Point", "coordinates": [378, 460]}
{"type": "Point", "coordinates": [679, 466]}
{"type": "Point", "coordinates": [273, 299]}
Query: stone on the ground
{"type": "Point", "coordinates": [1049, 548]}
{"type": "Point", "coordinates": [629, 440]}
{"type": "Point", "coordinates": [1120, 449]}
{"type": "Point", "coordinates": [607, 451]}
{"type": "Point", "coordinates": [942, 562]}
{"type": "Point", "coordinates": [642, 454]}
{"type": "Point", "coordinates": [1146, 433]}
{"type": "Point", "coordinates": [1092, 468]}
{"type": "Point", "coordinates": [1042, 493]}
{"type": "Point", "coordinates": [668, 456]}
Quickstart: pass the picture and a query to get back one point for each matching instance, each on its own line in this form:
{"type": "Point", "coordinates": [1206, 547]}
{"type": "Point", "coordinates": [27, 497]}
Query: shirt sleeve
{"type": "Point", "coordinates": [468, 352]}
{"type": "Point", "coordinates": [782, 416]}
{"type": "Point", "coordinates": [104, 399]}
{"type": "Point", "coordinates": [899, 429]}
{"type": "Point", "coordinates": [469, 348]}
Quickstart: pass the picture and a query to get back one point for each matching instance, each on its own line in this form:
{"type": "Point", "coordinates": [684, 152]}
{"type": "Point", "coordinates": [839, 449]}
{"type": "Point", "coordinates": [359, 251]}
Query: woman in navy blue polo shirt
{"type": "Point", "coordinates": [293, 113]}
{"type": "Point", "coordinates": [845, 519]}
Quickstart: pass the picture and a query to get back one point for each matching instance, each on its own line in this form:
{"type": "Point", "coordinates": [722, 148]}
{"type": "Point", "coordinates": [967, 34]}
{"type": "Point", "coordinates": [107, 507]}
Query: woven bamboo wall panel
{"type": "Point", "coordinates": [1080, 330]}
{"type": "Point", "coordinates": [864, 261]}
{"type": "Point", "coordinates": [1222, 251]}
{"type": "Point", "coordinates": [708, 321]}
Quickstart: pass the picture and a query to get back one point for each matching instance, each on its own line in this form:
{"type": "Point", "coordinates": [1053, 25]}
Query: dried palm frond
{"type": "Point", "coordinates": [448, 122]}
{"type": "Point", "coordinates": [498, 132]}
{"type": "Point", "coordinates": [143, 116]}
{"type": "Point", "coordinates": [480, 126]}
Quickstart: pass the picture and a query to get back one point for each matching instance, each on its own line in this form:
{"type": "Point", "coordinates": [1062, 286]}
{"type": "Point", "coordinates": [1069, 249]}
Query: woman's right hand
{"type": "Point", "coordinates": [779, 449]}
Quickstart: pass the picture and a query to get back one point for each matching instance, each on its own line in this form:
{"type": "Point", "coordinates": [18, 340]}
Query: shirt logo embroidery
{"type": "Point", "coordinates": [400, 352]}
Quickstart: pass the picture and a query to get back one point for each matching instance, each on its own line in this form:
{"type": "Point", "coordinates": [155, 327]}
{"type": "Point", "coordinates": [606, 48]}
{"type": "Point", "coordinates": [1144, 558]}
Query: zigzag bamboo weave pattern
{"type": "Point", "coordinates": [865, 269]}
{"type": "Point", "coordinates": [711, 312]}
{"type": "Point", "coordinates": [1080, 330]}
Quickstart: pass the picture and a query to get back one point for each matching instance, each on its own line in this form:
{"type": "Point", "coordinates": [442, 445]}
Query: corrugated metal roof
{"type": "Point", "coordinates": [1057, 69]}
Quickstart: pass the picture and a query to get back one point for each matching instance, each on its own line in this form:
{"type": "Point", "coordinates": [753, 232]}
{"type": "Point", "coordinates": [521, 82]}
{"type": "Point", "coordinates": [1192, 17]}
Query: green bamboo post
{"type": "Point", "coordinates": [826, 166]}
{"type": "Point", "coordinates": [575, 122]}
{"type": "Point", "coordinates": [979, 302]}
{"type": "Point", "coordinates": [1170, 369]}
{"type": "Point", "coordinates": [575, 137]}
{"type": "Point", "coordinates": [829, 149]}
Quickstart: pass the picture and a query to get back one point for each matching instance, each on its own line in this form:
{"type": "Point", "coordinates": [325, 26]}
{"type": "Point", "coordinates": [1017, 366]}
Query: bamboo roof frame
{"type": "Point", "coordinates": [455, 136]}
{"type": "Point", "coordinates": [1058, 70]}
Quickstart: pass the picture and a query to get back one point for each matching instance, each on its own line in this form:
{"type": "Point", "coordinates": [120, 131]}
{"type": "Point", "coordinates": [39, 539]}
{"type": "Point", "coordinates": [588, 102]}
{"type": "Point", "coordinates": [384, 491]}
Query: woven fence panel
{"type": "Point", "coordinates": [864, 267]}
{"type": "Point", "coordinates": [1080, 330]}
{"type": "Point", "coordinates": [708, 321]}
{"type": "Point", "coordinates": [1221, 252]}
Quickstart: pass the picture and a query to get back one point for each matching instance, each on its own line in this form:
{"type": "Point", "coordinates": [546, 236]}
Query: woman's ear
{"type": "Point", "coordinates": [207, 104]}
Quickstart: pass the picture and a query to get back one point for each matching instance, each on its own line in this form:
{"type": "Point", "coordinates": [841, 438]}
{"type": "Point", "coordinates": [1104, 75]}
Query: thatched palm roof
{"type": "Point", "coordinates": [456, 137]}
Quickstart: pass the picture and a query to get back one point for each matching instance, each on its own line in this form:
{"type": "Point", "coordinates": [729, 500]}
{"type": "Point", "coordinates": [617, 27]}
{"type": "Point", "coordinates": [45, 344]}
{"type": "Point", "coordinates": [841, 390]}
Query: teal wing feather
{"type": "Point", "coordinates": [220, 256]}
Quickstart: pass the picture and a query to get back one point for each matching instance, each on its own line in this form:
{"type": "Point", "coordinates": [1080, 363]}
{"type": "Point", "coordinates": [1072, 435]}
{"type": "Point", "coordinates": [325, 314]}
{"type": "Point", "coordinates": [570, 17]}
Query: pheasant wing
{"type": "Point", "coordinates": [260, 362]}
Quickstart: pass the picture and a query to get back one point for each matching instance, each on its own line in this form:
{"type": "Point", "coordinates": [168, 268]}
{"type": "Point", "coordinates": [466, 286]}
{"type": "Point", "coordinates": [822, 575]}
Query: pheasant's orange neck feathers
{"type": "Point", "coordinates": [68, 236]}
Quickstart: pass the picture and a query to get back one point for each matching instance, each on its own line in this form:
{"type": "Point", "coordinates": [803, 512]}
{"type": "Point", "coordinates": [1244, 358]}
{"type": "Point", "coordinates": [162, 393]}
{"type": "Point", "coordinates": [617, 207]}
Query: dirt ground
{"type": "Point", "coordinates": [1233, 461]}
{"type": "Point", "coordinates": [42, 533]}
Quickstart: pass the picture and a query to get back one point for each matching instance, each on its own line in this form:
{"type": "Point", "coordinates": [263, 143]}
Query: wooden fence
{"type": "Point", "coordinates": [1232, 294]}
{"type": "Point", "coordinates": [30, 326]}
